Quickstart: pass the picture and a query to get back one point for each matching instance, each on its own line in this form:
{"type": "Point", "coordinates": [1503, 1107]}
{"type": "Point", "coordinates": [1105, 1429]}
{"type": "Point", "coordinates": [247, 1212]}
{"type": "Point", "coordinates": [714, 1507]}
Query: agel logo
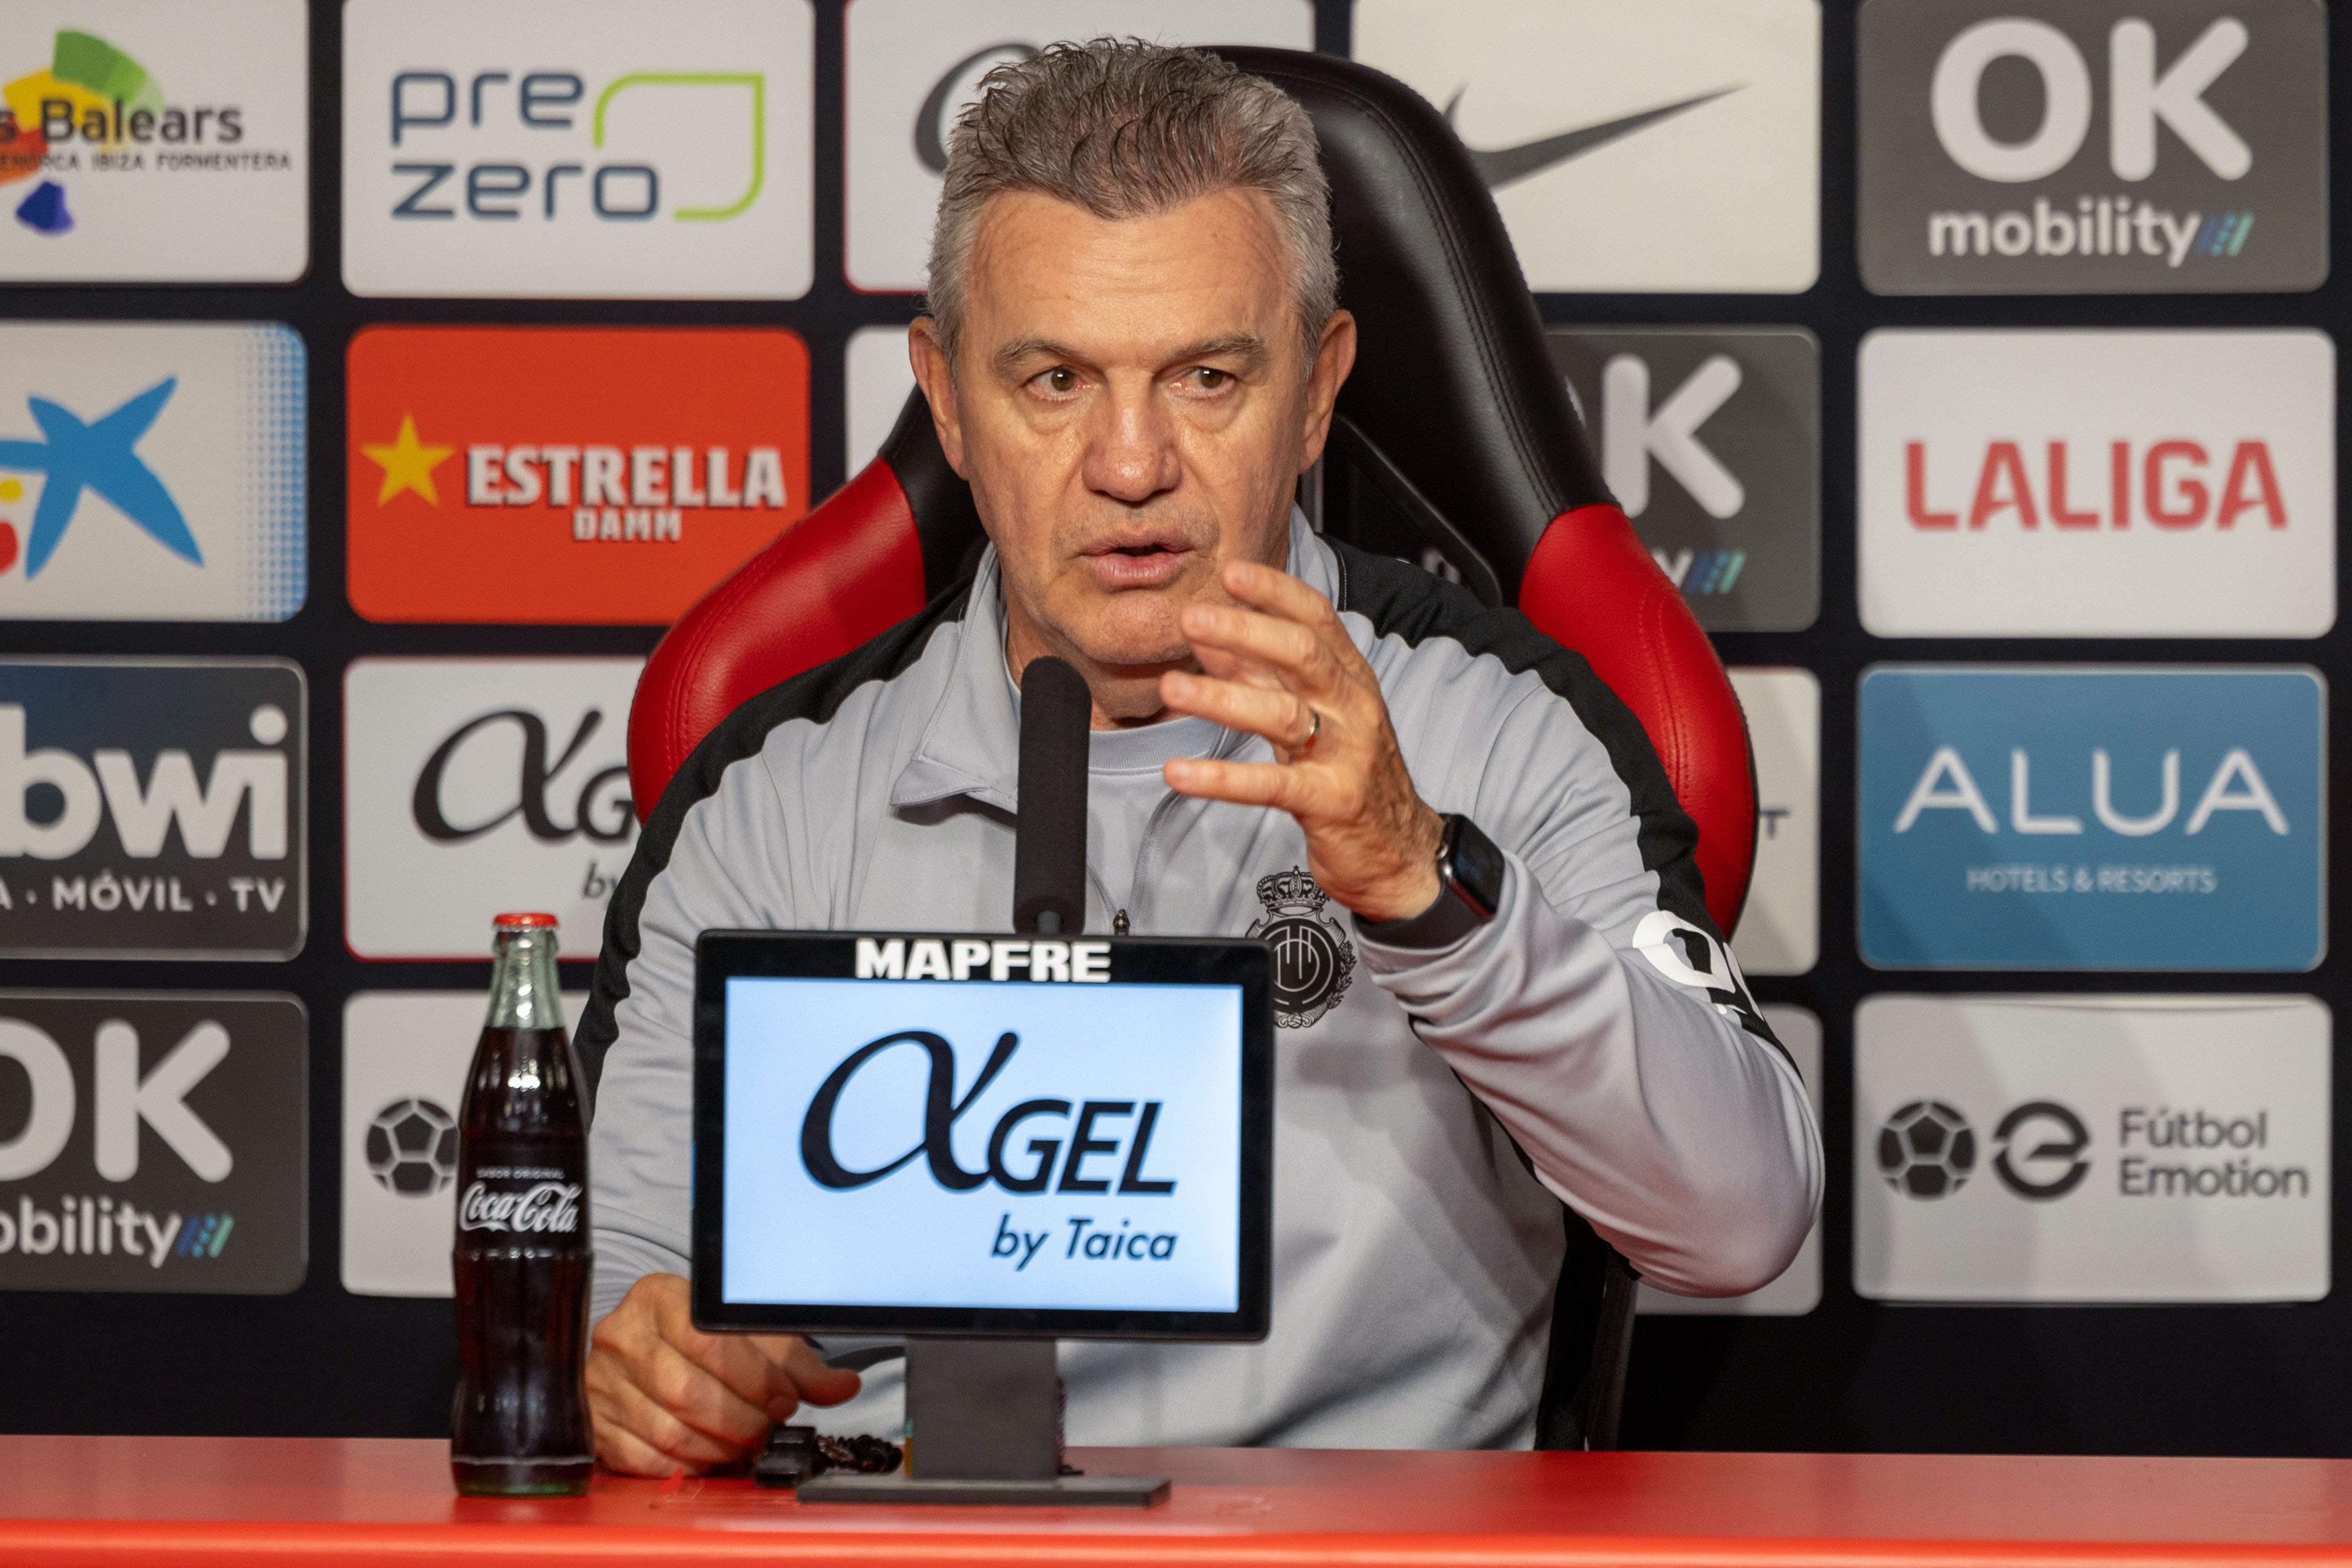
{"type": "Point", "coordinates": [1091, 1135]}
{"type": "Point", "coordinates": [2166, 144]}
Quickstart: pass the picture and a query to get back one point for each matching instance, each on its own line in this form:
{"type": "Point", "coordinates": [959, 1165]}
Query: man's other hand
{"type": "Point", "coordinates": [666, 1395]}
{"type": "Point", "coordinates": [1285, 668]}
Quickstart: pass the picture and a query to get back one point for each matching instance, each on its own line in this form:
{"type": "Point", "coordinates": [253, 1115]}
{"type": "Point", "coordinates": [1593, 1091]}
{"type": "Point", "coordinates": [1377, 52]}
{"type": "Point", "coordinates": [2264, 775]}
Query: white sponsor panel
{"type": "Point", "coordinates": [2155, 483]}
{"type": "Point", "coordinates": [149, 143]}
{"type": "Point", "coordinates": [881, 377]}
{"type": "Point", "coordinates": [2088, 1148]}
{"type": "Point", "coordinates": [1779, 931]}
{"type": "Point", "coordinates": [578, 148]}
{"type": "Point", "coordinates": [1798, 1290]}
{"type": "Point", "coordinates": [405, 1058]}
{"type": "Point", "coordinates": [1670, 145]}
{"type": "Point", "coordinates": [914, 65]}
{"type": "Point", "coordinates": [151, 472]}
{"type": "Point", "coordinates": [473, 786]}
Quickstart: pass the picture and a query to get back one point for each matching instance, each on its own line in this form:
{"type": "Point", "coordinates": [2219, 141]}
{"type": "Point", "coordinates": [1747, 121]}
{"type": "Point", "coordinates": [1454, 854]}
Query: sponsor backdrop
{"type": "Point", "coordinates": [377, 377]}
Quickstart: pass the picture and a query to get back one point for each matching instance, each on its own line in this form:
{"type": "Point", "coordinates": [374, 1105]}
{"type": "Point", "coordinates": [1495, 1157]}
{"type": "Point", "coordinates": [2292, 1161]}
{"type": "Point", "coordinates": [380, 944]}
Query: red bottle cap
{"type": "Point", "coordinates": [527, 920]}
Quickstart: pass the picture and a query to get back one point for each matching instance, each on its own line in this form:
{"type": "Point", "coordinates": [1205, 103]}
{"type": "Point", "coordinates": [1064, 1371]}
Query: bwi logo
{"type": "Point", "coordinates": [98, 457]}
{"type": "Point", "coordinates": [91, 95]}
{"type": "Point", "coordinates": [1927, 1149]}
{"type": "Point", "coordinates": [411, 1147]}
{"type": "Point", "coordinates": [1313, 960]}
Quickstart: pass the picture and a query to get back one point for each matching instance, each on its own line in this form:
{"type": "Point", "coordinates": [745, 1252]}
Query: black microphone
{"type": "Point", "coordinates": [1049, 858]}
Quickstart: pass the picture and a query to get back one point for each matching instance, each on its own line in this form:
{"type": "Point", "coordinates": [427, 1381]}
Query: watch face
{"type": "Point", "coordinates": [1478, 866]}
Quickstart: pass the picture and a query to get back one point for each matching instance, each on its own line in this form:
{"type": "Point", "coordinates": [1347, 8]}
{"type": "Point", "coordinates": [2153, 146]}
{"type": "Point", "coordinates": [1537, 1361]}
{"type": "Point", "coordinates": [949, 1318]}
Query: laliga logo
{"type": "Point", "coordinates": [941, 1112]}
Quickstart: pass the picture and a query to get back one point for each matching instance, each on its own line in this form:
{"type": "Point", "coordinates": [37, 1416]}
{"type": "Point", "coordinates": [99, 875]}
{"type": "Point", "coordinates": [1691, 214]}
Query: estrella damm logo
{"type": "Point", "coordinates": [555, 474]}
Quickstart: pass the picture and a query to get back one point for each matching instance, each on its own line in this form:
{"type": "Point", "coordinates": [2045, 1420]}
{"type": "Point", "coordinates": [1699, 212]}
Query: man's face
{"type": "Point", "coordinates": [1131, 404]}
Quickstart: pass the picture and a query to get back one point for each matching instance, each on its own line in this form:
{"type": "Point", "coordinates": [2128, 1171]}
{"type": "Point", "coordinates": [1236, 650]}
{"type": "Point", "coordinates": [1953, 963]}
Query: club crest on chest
{"type": "Point", "coordinates": [1313, 960]}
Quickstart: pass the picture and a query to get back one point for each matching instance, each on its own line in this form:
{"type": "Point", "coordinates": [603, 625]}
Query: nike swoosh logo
{"type": "Point", "coordinates": [1500, 166]}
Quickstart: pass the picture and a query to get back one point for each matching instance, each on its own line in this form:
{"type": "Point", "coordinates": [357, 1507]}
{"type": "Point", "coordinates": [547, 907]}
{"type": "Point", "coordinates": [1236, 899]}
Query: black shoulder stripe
{"type": "Point", "coordinates": [1402, 600]}
{"type": "Point", "coordinates": [815, 694]}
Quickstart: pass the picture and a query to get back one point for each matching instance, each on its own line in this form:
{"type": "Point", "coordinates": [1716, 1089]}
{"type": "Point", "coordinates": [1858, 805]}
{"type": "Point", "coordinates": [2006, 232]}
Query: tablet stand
{"type": "Point", "coordinates": [985, 1426]}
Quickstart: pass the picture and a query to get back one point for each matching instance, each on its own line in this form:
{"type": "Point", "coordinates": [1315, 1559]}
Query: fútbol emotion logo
{"type": "Point", "coordinates": [557, 148]}
{"type": "Point", "coordinates": [2096, 146]}
{"type": "Point", "coordinates": [2092, 1148]}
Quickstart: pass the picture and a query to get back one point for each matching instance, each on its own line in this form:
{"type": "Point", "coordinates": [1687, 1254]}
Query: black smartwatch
{"type": "Point", "coordinates": [1470, 889]}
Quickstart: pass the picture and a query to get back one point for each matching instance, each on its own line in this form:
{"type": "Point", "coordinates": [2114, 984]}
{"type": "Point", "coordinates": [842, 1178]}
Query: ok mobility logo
{"type": "Point", "coordinates": [2103, 146]}
{"type": "Point", "coordinates": [95, 109]}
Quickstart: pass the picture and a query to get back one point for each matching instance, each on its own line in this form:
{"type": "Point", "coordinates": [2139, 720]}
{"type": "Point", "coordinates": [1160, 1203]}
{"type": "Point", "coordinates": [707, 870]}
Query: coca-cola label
{"type": "Point", "coordinates": [550, 1208]}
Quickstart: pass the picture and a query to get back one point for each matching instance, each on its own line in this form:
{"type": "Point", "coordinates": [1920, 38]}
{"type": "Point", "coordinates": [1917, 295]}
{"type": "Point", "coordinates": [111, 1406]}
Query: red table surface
{"type": "Point", "coordinates": [362, 1502]}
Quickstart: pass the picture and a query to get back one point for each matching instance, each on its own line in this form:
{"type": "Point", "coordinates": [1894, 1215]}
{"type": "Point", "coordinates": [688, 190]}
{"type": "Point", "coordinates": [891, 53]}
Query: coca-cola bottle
{"type": "Point", "coordinates": [520, 1428]}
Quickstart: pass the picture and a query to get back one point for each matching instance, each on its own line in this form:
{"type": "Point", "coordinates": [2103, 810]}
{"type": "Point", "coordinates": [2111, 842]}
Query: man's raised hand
{"type": "Point", "coordinates": [1279, 663]}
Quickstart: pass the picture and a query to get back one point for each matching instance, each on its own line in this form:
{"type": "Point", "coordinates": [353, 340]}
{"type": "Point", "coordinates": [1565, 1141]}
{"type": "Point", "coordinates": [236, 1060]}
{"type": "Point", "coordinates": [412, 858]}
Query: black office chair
{"type": "Point", "coordinates": [1455, 434]}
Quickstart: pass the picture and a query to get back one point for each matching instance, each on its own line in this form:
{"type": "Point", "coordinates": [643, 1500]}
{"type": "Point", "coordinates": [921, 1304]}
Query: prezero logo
{"type": "Point", "coordinates": [151, 472]}
{"type": "Point", "coordinates": [586, 148]}
{"type": "Point", "coordinates": [914, 65]}
{"type": "Point", "coordinates": [2098, 483]}
{"type": "Point", "coordinates": [157, 1142]}
{"type": "Point", "coordinates": [2104, 146]}
{"type": "Point", "coordinates": [1710, 439]}
{"type": "Point", "coordinates": [473, 785]}
{"type": "Point", "coordinates": [1670, 145]}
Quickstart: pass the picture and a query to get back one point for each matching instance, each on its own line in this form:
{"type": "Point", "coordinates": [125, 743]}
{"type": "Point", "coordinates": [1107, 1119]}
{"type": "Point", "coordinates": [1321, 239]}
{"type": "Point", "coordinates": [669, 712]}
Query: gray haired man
{"type": "Point", "coordinates": [1133, 354]}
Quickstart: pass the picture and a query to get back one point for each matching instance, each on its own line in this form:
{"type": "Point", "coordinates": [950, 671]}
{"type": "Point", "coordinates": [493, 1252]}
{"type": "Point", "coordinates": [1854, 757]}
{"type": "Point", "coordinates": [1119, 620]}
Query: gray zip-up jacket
{"type": "Point", "coordinates": [1591, 1044]}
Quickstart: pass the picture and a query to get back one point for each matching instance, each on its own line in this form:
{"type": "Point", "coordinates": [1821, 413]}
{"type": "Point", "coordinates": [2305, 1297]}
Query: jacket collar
{"type": "Point", "coordinates": [971, 744]}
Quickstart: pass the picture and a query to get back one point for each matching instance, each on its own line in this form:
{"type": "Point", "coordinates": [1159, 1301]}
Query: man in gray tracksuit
{"type": "Point", "coordinates": [1447, 1075]}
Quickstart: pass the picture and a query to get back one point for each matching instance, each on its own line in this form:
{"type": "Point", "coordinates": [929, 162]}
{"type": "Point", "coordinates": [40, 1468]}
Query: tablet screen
{"type": "Point", "coordinates": [889, 1150]}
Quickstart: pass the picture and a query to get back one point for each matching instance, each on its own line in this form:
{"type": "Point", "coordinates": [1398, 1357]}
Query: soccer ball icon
{"type": "Point", "coordinates": [412, 1148]}
{"type": "Point", "coordinates": [1927, 1149]}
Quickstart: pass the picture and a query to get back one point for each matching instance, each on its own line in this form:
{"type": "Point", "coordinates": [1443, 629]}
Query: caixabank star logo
{"type": "Point", "coordinates": [555, 474]}
{"type": "Point", "coordinates": [151, 472]}
{"type": "Point", "coordinates": [122, 131]}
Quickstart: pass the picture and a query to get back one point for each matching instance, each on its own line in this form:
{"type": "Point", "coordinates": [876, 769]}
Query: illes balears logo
{"type": "Point", "coordinates": [1091, 1136]}
{"type": "Point", "coordinates": [94, 96]}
